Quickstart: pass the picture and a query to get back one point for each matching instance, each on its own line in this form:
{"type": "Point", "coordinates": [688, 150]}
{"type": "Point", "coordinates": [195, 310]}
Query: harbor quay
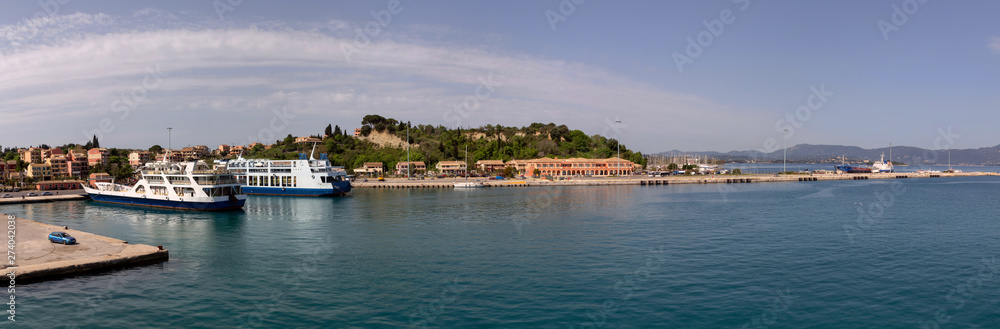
{"type": "Point", "coordinates": [37, 259]}
{"type": "Point", "coordinates": [391, 183]}
{"type": "Point", "coordinates": [21, 197]}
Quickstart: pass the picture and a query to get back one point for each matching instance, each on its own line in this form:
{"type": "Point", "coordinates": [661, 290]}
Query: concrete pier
{"type": "Point", "coordinates": [396, 183]}
{"type": "Point", "coordinates": [37, 259]}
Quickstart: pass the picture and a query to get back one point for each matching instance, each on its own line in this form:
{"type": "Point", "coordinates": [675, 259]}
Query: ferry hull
{"type": "Point", "coordinates": [167, 204]}
{"type": "Point", "coordinates": [337, 189]}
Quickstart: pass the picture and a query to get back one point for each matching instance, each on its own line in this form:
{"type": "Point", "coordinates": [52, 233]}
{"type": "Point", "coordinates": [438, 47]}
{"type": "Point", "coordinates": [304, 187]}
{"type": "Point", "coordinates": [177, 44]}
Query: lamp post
{"type": "Point", "coordinates": [784, 160]}
{"type": "Point", "coordinates": [407, 150]}
{"type": "Point", "coordinates": [168, 138]}
{"type": "Point", "coordinates": [619, 146]}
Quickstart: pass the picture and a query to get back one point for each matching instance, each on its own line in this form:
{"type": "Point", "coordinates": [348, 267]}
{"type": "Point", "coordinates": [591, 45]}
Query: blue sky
{"type": "Point", "coordinates": [85, 66]}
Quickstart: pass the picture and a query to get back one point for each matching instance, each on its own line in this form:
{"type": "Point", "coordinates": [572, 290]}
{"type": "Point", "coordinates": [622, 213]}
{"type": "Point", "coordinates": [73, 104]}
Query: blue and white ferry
{"type": "Point", "coordinates": [302, 177]}
{"type": "Point", "coordinates": [189, 185]}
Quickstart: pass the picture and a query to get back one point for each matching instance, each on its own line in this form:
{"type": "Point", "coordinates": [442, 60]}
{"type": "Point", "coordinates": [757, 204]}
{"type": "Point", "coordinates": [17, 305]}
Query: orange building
{"type": "Point", "coordinates": [579, 167]}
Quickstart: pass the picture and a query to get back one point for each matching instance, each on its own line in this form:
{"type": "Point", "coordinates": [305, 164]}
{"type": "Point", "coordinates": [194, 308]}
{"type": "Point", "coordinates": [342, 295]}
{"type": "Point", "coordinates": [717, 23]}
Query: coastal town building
{"type": "Point", "coordinates": [32, 155]}
{"type": "Point", "coordinates": [223, 149]}
{"type": "Point", "coordinates": [58, 165]}
{"type": "Point", "coordinates": [237, 150]}
{"type": "Point", "coordinates": [371, 168]}
{"type": "Point", "coordinates": [418, 167]}
{"type": "Point", "coordinates": [39, 171]}
{"type": "Point", "coordinates": [97, 156]}
{"type": "Point", "coordinates": [138, 158]}
{"type": "Point", "coordinates": [579, 167]}
{"type": "Point", "coordinates": [173, 156]}
{"type": "Point", "coordinates": [489, 166]}
{"type": "Point", "coordinates": [194, 152]}
{"type": "Point", "coordinates": [58, 185]}
{"type": "Point", "coordinates": [357, 132]}
{"type": "Point", "coordinates": [78, 167]}
{"type": "Point", "coordinates": [307, 140]}
{"type": "Point", "coordinates": [451, 167]}
{"type": "Point", "coordinates": [99, 178]}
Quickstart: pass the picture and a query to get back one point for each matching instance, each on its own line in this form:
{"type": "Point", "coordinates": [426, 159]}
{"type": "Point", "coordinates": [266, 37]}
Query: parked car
{"type": "Point", "coordinates": [17, 190]}
{"type": "Point", "coordinates": [7, 196]}
{"type": "Point", "coordinates": [61, 237]}
{"type": "Point", "coordinates": [46, 193]}
{"type": "Point", "coordinates": [32, 194]}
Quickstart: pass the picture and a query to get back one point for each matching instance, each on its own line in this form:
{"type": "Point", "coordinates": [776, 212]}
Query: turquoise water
{"type": "Point", "coordinates": [685, 256]}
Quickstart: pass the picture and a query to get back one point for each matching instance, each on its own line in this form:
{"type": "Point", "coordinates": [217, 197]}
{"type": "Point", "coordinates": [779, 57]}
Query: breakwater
{"type": "Point", "coordinates": [646, 181]}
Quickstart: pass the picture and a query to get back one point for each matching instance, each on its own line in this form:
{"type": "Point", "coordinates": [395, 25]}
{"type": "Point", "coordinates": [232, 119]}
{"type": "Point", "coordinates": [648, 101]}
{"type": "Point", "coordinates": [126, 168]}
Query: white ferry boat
{"type": "Point", "coordinates": [175, 185]}
{"type": "Point", "coordinates": [302, 177]}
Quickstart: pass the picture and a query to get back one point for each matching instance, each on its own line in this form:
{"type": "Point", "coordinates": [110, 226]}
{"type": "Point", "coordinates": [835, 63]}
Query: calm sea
{"type": "Point", "coordinates": [840, 254]}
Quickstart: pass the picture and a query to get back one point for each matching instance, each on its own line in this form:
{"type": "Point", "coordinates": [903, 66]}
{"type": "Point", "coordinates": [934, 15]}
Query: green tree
{"type": "Point", "coordinates": [155, 149]}
{"type": "Point", "coordinates": [96, 143]}
{"type": "Point", "coordinates": [329, 130]}
{"type": "Point", "coordinates": [672, 166]}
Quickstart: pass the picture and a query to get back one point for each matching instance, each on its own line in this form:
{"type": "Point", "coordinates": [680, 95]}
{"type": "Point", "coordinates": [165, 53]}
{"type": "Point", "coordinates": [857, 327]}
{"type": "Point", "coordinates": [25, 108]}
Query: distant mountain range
{"type": "Point", "coordinates": [807, 153]}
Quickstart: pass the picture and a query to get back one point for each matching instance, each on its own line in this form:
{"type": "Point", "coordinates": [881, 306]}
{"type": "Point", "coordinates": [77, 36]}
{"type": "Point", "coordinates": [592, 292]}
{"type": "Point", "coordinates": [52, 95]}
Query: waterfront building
{"type": "Point", "coordinates": [58, 165]}
{"type": "Point", "coordinates": [39, 171]}
{"type": "Point", "coordinates": [451, 167]}
{"type": "Point", "coordinates": [580, 167]}
{"type": "Point", "coordinates": [485, 166]}
{"type": "Point", "coordinates": [371, 168]}
{"type": "Point", "coordinates": [418, 167]}
{"type": "Point", "coordinates": [58, 185]}
{"type": "Point", "coordinates": [78, 166]}
{"type": "Point", "coordinates": [224, 149]}
{"type": "Point", "coordinates": [99, 178]}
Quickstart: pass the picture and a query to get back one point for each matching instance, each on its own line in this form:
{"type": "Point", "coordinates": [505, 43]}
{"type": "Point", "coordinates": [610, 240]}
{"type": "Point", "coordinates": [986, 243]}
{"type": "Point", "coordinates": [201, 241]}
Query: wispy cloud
{"type": "Point", "coordinates": [76, 65]}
